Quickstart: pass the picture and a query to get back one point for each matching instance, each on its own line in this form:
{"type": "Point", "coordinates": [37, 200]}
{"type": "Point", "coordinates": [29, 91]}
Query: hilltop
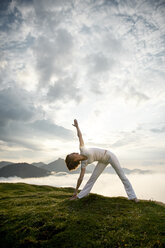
{"type": "Point", "coordinates": [43, 216]}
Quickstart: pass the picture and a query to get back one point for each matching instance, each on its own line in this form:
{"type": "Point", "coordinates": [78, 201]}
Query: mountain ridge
{"type": "Point", "coordinates": [38, 169]}
{"type": "Point", "coordinates": [23, 170]}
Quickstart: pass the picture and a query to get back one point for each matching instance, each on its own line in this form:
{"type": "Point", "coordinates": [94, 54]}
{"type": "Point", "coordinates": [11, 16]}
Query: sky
{"type": "Point", "coordinates": [101, 62]}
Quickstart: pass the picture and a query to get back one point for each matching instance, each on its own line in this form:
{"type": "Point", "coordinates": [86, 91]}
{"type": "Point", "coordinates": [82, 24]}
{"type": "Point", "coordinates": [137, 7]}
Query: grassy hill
{"type": "Point", "coordinates": [42, 216]}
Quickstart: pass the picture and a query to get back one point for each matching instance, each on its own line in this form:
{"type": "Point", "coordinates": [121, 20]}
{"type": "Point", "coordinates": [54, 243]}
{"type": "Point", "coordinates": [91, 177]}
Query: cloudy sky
{"type": "Point", "coordinates": [101, 62]}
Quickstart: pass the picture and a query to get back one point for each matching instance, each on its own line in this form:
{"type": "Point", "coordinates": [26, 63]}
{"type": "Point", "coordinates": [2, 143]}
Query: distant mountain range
{"type": "Point", "coordinates": [59, 166]}
{"type": "Point", "coordinates": [4, 163]}
{"type": "Point", "coordinates": [40, 169]}
{"type": "Point", "coordinates": [39, 164]}
{"type": "Point", "coordinates": [23, 170]}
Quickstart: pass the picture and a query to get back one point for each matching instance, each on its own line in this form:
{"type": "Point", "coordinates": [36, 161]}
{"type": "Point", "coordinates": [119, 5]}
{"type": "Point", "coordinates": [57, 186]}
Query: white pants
{"type": "Point", "coordinates": [99, 169]}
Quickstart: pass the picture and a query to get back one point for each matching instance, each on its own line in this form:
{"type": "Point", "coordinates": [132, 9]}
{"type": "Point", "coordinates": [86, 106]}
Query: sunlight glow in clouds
{"type": "Point", "coordinates": [101, 62]}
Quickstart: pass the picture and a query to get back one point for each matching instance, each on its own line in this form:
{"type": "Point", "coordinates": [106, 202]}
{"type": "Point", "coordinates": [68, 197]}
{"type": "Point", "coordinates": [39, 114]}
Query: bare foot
{"type": "Point", "coordinates": [74, 197]}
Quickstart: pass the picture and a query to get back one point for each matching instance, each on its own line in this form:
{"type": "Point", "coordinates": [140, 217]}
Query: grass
{"type": "Point", "coordinates": [42, 216]}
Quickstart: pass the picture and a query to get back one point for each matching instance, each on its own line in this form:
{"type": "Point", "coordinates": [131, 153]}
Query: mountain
{"type": "Point", "coordinates": [109, 169]}
{"type": "Point", "coordinates": [4, 163]}
{"type": "Point", "coordinates": [39, 164]}
{"type": "Point", "coordinates": [137, 171]}
{"type": "Point", "coordinates": [42, 216]}
{"type": "Point", "coordinates": [59, 166]}
{"type": "Point", "coordinates": [23, 170]}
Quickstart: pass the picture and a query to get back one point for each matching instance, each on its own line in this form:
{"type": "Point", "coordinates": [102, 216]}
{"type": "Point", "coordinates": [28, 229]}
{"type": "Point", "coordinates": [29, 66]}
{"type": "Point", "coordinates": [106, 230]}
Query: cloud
{"type": "Point", "coordinates": [69, 58]}
{"type": "Point", "coordinates": [131, 93]}
{"type": "Point", "coordinates": [53, 55]}
{"type": "Point", "coordinates": [22, 123]}
{"type": "Point", "coordinates": [127, 139]}
{"type": "Point", "coordinates": [98, 63]}
{"type": "Point", "coordinates": [32, 135]}
{"type": "Point", "coordinates": [158, 130]}
{"type": "Point", "coordinates": [16, 105]}
{"type": "Point", "coordinates": [107, 184]}
{"type": "Point", "coordinates": [64, 90]}
{"type": "Point", "coordinates": [50, 130]}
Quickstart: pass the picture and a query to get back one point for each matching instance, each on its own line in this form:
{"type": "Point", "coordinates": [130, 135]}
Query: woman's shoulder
{"type": "Point", "coordinates": [84, 150]}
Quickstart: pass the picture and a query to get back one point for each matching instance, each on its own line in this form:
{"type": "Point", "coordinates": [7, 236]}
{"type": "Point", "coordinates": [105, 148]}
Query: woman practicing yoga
{"type": "Point", "coordinates": [88, 156]}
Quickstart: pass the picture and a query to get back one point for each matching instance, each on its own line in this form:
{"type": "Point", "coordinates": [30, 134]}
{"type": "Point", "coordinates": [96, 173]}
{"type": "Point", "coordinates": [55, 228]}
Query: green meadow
{"type": "Point", "coordinates": [43, 216]}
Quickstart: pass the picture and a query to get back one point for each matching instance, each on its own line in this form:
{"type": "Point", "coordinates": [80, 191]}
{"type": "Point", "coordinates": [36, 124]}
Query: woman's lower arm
{"type": "Point", "coordinates": [79, 181]}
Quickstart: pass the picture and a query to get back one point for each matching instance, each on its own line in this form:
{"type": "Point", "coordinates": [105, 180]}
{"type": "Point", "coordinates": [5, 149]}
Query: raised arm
{"type": "Point", "coordinates": [79, 134]}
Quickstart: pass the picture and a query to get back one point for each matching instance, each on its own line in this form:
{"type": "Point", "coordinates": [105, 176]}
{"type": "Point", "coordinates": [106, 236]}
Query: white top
{"type": "Point", "coordinates": [94, 154]}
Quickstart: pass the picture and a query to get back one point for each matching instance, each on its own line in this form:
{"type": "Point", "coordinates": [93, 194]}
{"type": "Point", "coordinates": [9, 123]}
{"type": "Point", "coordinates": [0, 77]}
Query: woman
{"type": "Point", "coordinates": [88, 156]}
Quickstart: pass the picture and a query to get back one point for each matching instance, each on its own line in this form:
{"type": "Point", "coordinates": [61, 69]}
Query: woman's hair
{"type": "Point", "coordinates": [70, 163]}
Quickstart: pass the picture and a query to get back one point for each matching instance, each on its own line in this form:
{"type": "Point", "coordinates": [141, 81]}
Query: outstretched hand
{"type": "Point", "coordinates": [75, 123]}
